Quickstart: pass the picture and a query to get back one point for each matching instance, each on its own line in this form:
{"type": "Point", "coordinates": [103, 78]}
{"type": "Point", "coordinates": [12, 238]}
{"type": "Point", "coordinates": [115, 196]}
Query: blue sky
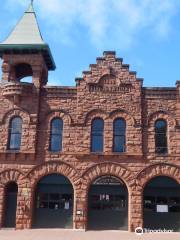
{"type": "Point", "coordinates": [145, 33]}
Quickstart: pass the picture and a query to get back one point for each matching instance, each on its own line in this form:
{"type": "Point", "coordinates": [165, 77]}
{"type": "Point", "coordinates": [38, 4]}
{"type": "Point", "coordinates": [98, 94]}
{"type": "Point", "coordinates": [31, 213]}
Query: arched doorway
{"type": "Point", "coordinates": [53, 203]}
{"type": "Point", "coordinates": [10, 204]}
{"type": "Point", "coordinates": [162, 204]}
{"type": "Point", "coordinates": [108, 204]}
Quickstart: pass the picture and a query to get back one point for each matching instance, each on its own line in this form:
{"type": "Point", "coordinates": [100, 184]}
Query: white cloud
{"type": "Point", "coordinates": [107, 22]}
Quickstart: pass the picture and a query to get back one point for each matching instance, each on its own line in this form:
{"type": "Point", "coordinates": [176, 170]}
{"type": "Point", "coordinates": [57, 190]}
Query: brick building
{"type": "Point", "coordinates": [104, 154]}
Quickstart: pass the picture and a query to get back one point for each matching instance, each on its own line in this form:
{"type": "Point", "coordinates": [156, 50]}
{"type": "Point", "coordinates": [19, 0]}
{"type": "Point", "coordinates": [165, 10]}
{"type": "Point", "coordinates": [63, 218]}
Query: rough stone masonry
{"type": "Point", "coordinates": [108, 90]}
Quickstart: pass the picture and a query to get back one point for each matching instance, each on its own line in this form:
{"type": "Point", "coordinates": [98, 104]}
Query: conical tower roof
{"type": "Point", "coordinates": [26, 38]}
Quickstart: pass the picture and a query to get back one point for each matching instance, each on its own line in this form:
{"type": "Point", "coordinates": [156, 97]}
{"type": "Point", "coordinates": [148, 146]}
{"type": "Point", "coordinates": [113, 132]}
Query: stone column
{"type": "Point", "coordinates": [5, 71]}
{"type": "Point", "coordinates": [135, 208]}
{"type": "Point", "coordinates": [80, 209]}
{"type": "Point", "coordinates": [1, 205]}
{"type": "Point", "coordinates": [23, 211]}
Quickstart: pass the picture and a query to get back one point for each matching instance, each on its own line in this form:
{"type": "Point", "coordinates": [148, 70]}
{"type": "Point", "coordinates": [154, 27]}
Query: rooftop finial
{"type": "Point", "coordinates": [30, 8]}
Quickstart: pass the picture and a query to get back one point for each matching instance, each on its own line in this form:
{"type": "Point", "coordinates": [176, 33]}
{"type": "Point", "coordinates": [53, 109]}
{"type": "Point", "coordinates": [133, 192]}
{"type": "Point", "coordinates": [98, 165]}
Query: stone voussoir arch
{"type": "Point", "coordinates": [103, 169]}
{"type": "Point", "coordinates": [120, 113]}
{"type": "Point", "coordinates": [161, 115]}
{"type": "Point", "coordinates": [16, 112]}
{"type": "Point", "coordinates": [155, 170]}
{"type": "Point", "coordinates": [13, 175]}
{"type": "Point", "coordinates": [95, 113]}
{"type": "Point", "coordinates": [53, 167]}
{"type": "Point", "coordinates": [59, 114]}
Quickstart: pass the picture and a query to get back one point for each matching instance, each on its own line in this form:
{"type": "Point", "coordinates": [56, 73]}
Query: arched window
{"type": "Point", "coordinates": [23, 71]}
{"type": "Point", "coordinates": [56, 135]}
{"type": "Point", "coordinates": [15, 133]}
{"type": "Point", "coordinates": [161, 136]}
{"type": "Point", "coordinates": [97, 135]}
{"type": "Point", "coordinates": [119, 138]}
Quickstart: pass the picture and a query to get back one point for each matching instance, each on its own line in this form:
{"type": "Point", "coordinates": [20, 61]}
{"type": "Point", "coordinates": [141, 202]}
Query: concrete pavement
{"type": "Point", "coordinates": [58, 234]}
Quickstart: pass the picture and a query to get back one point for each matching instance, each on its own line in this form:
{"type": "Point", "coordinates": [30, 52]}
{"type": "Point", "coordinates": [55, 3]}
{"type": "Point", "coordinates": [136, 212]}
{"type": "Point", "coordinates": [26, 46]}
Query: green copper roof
{"type": "Point", "coordinates": [26, 37]}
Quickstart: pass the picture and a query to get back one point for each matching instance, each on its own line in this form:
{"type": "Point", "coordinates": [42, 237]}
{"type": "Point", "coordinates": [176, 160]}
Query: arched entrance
{"type": "Point", "coordinates": [108, 204]}
{"type": "Point", "coordinates": [53, 202]}
{"type": "Point", "coordinates": [10, 204]}
{"type": "Point", "coordinates": [162, 204]}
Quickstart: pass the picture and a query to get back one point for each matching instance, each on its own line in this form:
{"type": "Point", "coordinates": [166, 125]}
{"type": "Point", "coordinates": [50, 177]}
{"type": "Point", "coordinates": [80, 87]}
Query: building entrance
{"type": "Point", "coordinates": [108, 204]}
{"type": "Point", "coordinates": [162, 204]}
{"type": "Point", "coordinates": [10, 205]}
{"type": "Point", "coordinates": [53, 203]}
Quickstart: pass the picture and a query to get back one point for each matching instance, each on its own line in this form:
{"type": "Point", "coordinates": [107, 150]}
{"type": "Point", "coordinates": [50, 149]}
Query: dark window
{"type": "Point", "coordinates": [110, 201]}
{"type": "Point", "coordinates": [119, 138]}
{"type": "Point", "coordinates": [97, 135]}
{"type": "Point", "coordinates": [54, 201]}
{"type": "Point", "coordinates": [161, 136]}
{"type": "Point", "coordinates": [15, 133]}
{"type": "Point", "coordinates": [56, 135]}
{"type": "Point", "coordinates": [150, 203]}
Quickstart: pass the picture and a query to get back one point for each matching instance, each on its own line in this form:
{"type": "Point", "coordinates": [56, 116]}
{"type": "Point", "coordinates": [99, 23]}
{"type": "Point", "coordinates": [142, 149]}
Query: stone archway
{"type": "Point", "coordinates": [23, 196]}
{"type": "Point", "coordinates": [53, 207]}
{"type": "Point", "coordinates": [49, 168]}
{"type": "Point", "coordinates": [53, 167]}
{"type": "Point", "coordinates": [150, 196]}
{"type": "Point", "coordinates": [104, 168]}
{"type": "Point", "coordinates": [99, 170]}
{"type": "Point", "coordinates": [155, 170]}
{"type": "Point", "coordinates": [108, 199]}
{"type": "Point", "coordinates": [161, 204]}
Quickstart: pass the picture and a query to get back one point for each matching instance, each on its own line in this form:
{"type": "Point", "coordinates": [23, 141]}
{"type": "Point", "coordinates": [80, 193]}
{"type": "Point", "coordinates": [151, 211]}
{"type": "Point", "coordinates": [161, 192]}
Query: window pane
{"type": "Point", "coordinates": [97, 144]}
{"type": "Point", "coordinates": [98, 125]}
{"type": "Point", "coordinates": [119, 139]}
{"type": "Point", "coordinates": [161, 136]}
{"type": "Point", "coordinates": [56, 135]}
{"type": "Point", "coordinates": [161, 140]}
{"type": "Point", "coordinates": [16, 125]}
{"type": "Point", "coordinates": [119, 126]}
{"type": "Point", "coordinates": [15, 133]}
{"type": "Point", "coordinates": [56, 143]}
{"type": "Point", "coordinates": [57, 126]}
{"type": "Point", "coordinates": [160, 126]}
{"type": "Point", "coordinates": [97, 138]}
{"type": "Point", "coordinates": [15, 141]}
{"type": "Point", "coordinates": [162, 200]}
{"type": "Point", "coordinates": [54, 196]}
{"type": "Point", "coordinates": [42, 205]}
{"type": "Point", "coordinates": [43, 197]}
{"type": "Point", "coordinates": [54, 205]}
{"type": "Point", "coordinates": [119, 143]}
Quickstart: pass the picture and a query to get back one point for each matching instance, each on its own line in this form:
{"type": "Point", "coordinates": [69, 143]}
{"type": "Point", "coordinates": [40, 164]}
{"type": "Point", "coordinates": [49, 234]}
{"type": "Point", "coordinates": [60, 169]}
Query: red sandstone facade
{"type": "Point", "coordinates": [108, 90]}
{"type": "Point", "coordinates": [94, 96]}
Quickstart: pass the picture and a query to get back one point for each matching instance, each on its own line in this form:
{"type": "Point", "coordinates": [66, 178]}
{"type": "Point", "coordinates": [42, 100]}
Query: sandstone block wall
{"type": "Point", "coordinates": [108, 90]}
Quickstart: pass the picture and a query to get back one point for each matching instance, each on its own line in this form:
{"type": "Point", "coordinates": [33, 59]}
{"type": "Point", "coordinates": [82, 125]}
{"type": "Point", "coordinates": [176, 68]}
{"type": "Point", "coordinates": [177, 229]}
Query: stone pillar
{"type": "Point", "coordinates": [80, 209]}
{"type": "Point", "coordinates": [23, 211]}
{"type": "Point", "coordinates": [1, 205]}
{"type": "Point", "coordinates": [5, 71]}
{"type": "Point", "coordinates": [135, 209]}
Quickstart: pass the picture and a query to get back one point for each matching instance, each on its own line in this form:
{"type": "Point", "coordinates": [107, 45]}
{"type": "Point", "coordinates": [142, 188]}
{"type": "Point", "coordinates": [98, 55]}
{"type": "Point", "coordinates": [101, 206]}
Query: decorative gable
{"type": "Point", "coordinates": [110, 75]}
{"type": "Point", "coordinates": [110, 83]}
